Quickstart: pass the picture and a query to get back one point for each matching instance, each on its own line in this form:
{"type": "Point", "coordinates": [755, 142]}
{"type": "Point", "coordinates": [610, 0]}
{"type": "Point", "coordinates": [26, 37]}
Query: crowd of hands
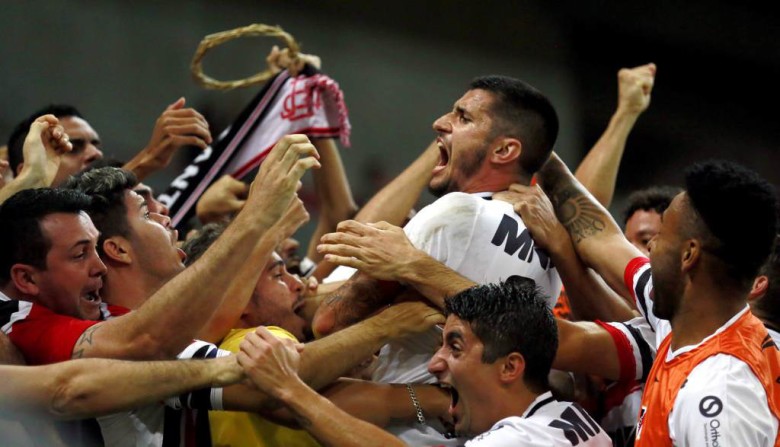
{"type": "Point", "coordinates": [345, 237]}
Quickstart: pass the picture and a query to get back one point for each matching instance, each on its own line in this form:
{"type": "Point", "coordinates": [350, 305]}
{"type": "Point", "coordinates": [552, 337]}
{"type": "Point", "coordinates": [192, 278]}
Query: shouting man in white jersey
{"type": "Point", "coordinates": [501, 131]}
{"type": "Point", "coordinates": [498, 347]}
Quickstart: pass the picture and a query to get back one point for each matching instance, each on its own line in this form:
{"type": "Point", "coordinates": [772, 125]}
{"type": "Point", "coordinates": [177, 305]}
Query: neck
{"type": "Point", "coordinates": [489, 179]}
{"type": "Point", "coordinates": [707, 304]}
{"type": "Point", "coordinates": [128, 287]}
{"type": "Point", "coordinates": [516, 406]}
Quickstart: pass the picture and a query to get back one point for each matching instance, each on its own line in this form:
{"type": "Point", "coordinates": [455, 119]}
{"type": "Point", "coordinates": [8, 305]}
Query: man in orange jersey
{"type": "Point", "coordinates": [717, 377]}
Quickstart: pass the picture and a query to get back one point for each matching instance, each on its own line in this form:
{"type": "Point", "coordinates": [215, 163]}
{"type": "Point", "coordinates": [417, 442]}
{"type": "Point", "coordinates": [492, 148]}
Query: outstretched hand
{"type": "Point", "coordinates": [176, 127]}
{"type": "Point", "coordinates": [279, 177]}
{"type": "Point", "coordinates": [380, 250]}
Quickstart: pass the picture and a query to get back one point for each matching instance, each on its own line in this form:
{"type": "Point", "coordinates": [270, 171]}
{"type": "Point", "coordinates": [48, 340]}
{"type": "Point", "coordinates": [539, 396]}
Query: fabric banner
{"type": "Point", "coordinates": [310, 103]}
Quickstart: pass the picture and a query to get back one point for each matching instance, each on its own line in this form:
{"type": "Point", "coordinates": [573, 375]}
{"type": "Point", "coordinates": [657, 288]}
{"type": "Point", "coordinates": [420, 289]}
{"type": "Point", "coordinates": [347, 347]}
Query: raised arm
{"type": "Point", "coordinates": [335, 196]}
{"type": "Point", "coordinates": [44, 145]}
{"type": "Point", "coordinates": [176, 127]}
{"type": "Point", "coordinates": [598, 170]}
{"type": "Point", "coordinates": [90, 387]}
{"type": "Point", "coordinates": [597, 238]}
{"type": "Point", "coordinates": [272, 366]}
{"type": "Point", "coordinates": [170, 318]}
{"type": "Point", "coordinates": [236, 297]}
{"type": "Point", "coordinates": [590, 298]}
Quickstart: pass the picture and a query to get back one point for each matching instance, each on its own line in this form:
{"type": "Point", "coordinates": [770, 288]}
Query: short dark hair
{"type": "Point", "coordinates": [738, 210]}
{"type": "Point", "coordinates": [21, 239]}
{"type": "Point", "coordinates": [525, 113]}
{"type": "Point", "coordinates": [195, 246]}
{"type": "Point", "coordinates": [654, 198]}
{"type": "Point", "coordinates": [107, 187]}
{"type": "Point", "coordinates": [16, 140]}
{"type": "Point", "coordinates": [511, 317]}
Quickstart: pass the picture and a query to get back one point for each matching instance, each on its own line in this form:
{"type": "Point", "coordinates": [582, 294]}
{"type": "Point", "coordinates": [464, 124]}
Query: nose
{"type": "Point", "coordinates": [162, 219]}
{"type": "Point", "coordinates": [98, 268]}
{"type": "Point", "coordinates": [437, 365]}
{"type": "Point", "coordinates": [161, 207]}
{"type": "Point", "coordinates": [442, 124]}
{"type": "Point", "coordinates": [294, 283]}
{"type": "Point", "coordinates": [91, 154]}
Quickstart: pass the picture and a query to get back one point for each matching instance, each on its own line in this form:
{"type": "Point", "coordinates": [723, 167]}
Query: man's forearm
{"type": "Point", "coordinates": [434, 280]}
{"type": "Point", "coordinates": [90, 387]}
{"type": "Point", "coordinates": [325, 360]}
{"type": "Point", "coordinates": [329, 424]}
{"type": "Point", "coordinates": [333, 192]}
{"type": "Point", "coordinates": [589, 297]}
{"type": "Point", "coordinates": [176, 312]}
{"type": "Point", "coordinates": [358, 298]}
{"type": "Point", "coordinates": [235, 298]}
{"type": "Point", "coordinates": [597, 238]}
{"type": "Point", "coordinates": [598, 170]}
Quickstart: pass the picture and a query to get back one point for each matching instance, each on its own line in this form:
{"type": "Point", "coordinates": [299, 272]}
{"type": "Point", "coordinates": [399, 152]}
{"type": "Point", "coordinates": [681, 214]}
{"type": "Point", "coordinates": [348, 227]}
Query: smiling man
{"type": "Point", "coordinates": [499, 344]}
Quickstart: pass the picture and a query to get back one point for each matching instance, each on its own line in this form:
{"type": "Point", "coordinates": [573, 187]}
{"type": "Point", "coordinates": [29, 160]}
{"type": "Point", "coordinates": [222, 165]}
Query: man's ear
{"type": "Point", "coordinates": [506, 150]}
{"type": "Point", "coordinates": [691, 255]}
{"type": "Point", "coordinates": [512, 368]}
{"type": "Point", "coordinates": [19, 168]}
{"type": "Point", "coordinates": [117, 249]}
{"type": "Point", "coordinates": [758, 290]}
{"type": "Point", "coordinates": [25, 279]}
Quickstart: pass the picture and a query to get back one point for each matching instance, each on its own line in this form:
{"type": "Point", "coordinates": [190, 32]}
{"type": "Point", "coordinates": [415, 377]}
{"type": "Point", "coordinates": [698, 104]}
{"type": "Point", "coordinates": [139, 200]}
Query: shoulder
{"type": "Point", "coordinates": [543, 431]}
{"type": "Point", "coordinates": [234, 338]}
{"type": "Point", "coordinates": [723, 394]}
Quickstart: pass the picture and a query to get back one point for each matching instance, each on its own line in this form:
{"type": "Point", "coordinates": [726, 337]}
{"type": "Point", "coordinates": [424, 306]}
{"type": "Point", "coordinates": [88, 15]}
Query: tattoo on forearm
{"type": "Point", "coordinates": [578, 214]}
{"type": "Point", "coordinates": [84, 341]}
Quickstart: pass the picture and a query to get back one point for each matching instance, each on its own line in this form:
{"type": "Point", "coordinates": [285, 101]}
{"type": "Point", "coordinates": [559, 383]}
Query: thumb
{"type": "Point", "coordinates": [177, 105]}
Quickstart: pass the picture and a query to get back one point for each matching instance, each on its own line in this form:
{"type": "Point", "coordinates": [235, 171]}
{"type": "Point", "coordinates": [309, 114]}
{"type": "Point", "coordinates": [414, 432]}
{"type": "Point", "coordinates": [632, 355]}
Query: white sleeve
{"type": "Point", "coordinates": [722, 403]}
{"type": "Point", "coordinates": [204, 398]}
{"type": "Point", "coordinates": [636, 347]}
{"type": "Point", "coordinates": [443, 228]}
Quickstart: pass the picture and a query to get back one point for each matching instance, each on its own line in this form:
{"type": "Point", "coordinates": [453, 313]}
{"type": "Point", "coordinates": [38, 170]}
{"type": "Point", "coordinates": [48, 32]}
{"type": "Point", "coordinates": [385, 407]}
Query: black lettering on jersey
{"type": "Point", "coordinates": [768, 343]}
{"type": "Point", "coordinates": [576, 426]}
{"type": "Point", "coordinates": [522, 244]}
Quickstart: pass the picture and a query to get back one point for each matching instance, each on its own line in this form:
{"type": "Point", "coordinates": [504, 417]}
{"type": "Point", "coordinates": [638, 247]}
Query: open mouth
{"type": "Point", "coordinates": [92, 297]}
{"type": "Point", "coordinates": [298, 306]}
{"type": "Point", "coordinates": [444, 156]}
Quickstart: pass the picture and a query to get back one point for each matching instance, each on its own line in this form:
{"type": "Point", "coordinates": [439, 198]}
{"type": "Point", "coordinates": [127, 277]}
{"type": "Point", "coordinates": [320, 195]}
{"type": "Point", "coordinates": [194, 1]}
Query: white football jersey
{"type": "Point", "coordinates": [546, 423]}
{"type": "Point", "coordinates": [483, 240]}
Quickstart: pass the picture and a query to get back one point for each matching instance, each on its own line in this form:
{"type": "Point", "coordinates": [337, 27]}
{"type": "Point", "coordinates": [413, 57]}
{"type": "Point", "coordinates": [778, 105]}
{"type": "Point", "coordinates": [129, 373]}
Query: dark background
{"type": "Point", "coordinates": [402, 64]}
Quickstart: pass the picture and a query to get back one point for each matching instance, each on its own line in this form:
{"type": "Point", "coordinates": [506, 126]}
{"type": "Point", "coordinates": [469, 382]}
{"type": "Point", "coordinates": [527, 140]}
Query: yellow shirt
{"type": "Point", "coordinates": [235, 428]}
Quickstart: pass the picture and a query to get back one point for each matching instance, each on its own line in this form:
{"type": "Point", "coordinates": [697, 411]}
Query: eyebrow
{"type": "Point", "coordinates": [275, 264]}
{"type": "Point", "coordinates": [453, 335]}
{"type": "Point", "coordinates": [461, 110]}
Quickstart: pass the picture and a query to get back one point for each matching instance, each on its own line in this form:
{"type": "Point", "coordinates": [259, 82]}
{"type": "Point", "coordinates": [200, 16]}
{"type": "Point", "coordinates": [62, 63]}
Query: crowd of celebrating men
{"type": "Point", "coordinates": [511, 311]}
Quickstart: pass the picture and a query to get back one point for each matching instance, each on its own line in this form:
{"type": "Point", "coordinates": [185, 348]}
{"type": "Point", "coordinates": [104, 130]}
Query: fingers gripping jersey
{"type": "Point", "coordinates": [723, 391]}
